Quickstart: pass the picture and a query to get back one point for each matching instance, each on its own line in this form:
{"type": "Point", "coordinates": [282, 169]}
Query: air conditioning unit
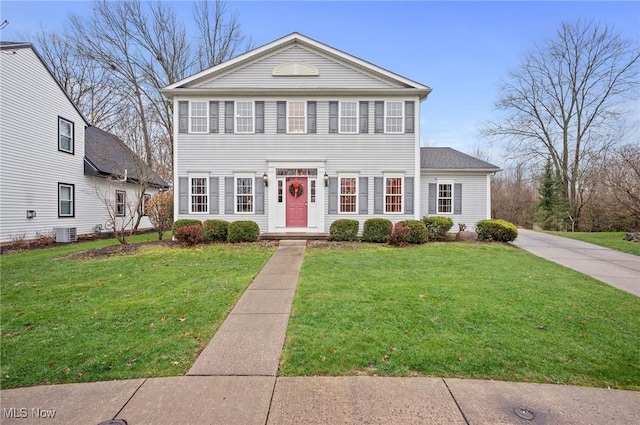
{"type": "Point", "coordinates": [65, 234]}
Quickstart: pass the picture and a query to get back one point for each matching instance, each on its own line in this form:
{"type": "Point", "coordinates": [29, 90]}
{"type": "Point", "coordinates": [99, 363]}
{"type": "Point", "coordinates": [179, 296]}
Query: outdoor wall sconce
{"type": "Point", "coordinates": [265, 179]}
{"type": "Point", "coordinates": [31, 214]}
{"type": "Point", "coordinates": [326, 179]}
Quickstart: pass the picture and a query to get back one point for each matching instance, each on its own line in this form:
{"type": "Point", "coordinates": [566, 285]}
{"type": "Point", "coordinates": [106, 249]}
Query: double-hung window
{"type": "Point", "coordinates": [296, 117]}
{"type": "Point", "coordinates": [244, 117]}
{"type": "Point", "coordinates": [244, 194]}
{"type": "Point", "coordinates": [121, 203]}
{"type": "Point", "coordinates": [66, 197]}
{"type": "Point", "coordinates": [348, 200]}
{"type": "Point", "coordinates": [445, 197]}
{"type": "Point", "coordinates": [65, 135]}
{"type": "Point", "coordinates": [199, 194]}
{"type": "Point", "coordinates": [393, 194]}
{"type": "Point", "coordinates": [199, 117]}
{"type": "Point", "coordinates": [394, 117]}
{"type": "Point", "coordinates": [348, 117]}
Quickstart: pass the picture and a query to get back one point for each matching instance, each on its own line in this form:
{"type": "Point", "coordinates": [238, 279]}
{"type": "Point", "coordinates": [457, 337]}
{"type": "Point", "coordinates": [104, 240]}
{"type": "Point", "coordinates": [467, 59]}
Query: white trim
{"type": "Point", "coordinates": [206, 116]}
{"type": "Point", "coordinates": [304, 118]}
{"type": "Point", "coordinates": [357, 116]}
{"type": "Point", "coordinates": [252, 179]}
{"type": "Point", "coordinates": [488, 196]}
{"type": "Point", "coordinates": [354, 176]}
{"type": "Point", "coordinates": [401, 102]}
{"type": "Point", "coordinates": [417, 180]}
{"type": "Point", "coordinates": [384, 192]}
{"type": "Point", "coordinates": [190, 194]}
{"type": "Point", "coordinates": [449, 182]}
{"type": "Point", "coordinates": [236, 117]}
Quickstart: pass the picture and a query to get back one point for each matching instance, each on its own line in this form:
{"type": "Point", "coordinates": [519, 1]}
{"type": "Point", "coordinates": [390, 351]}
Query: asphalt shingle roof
{"type": "Point", "coordinates": [451, 159]}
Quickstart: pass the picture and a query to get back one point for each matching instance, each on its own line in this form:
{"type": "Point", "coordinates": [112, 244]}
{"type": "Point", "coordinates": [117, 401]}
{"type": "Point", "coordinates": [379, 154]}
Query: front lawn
{"type": "Point", "coordinates": [486, 311]}
{"type": "Point", "coordinates": [147, 313]}
{"type": "Point", "coordinates": [611, 240]}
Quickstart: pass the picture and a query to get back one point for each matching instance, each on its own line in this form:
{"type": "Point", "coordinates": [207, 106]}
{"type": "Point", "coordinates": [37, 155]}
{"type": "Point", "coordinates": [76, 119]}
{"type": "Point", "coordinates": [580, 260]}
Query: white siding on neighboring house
{"type": "Point", "coordinates": [475, 199]}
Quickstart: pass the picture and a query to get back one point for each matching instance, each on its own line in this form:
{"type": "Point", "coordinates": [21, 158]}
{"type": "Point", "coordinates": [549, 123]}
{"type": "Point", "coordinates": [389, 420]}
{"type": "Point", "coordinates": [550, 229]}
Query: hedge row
{"type": "Point", "coordinates": [191, 232]}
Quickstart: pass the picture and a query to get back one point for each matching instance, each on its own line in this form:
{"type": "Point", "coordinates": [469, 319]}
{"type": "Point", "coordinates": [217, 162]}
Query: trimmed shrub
{"type": "Point", "coordinates": [243, 231]}
{"type": "Point", "coordinates": [437, 227]}
{"type": "Point", "coordinates": [185, 222]}
{"type": "Point", "coordinates": [344, 230]}
{"type": "Point", "coordinates": [377, 230]}
{"type": "Point", "coordinates": [417, 231]}
{"type": "Point", "coordinates": [496, 230]}
{"type": "Point", "coordinates": [215, 230]}
{"type": "Point", "coordinates": [189, 235]}
{"type": "Point", "coordinates": [400, 235]}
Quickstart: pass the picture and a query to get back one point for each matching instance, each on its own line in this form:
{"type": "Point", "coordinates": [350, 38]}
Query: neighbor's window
{"type": "Point", "coordinates": [393, 195]}
{"type": "Point", "coordinates": [445, 198]}
{"type": "Point", "coordinates": [199, 116]}
{"type": "Point", "coordinates": [348, 117]}
{"type": "Point", "coordinates": [66, 200]}
{"type": "Point", "coordinates": [394, 117]}
{"type": "Point", "coordinates": [244, 117]}
{"type": "Point", "coordinates": [65, 135]}
{"type": "Point", "coordinates": [145, 202]}
{"type": "Point", "coordinates": [199, 195]}
{"type": "Point", "coordinates": [296, 120]}
{"type": "Point", "coordinates": [348, 194]}
{"type": "Point", "coordinates": [244, 194]}
{"type": "Point", "coordinates": [121, 203]}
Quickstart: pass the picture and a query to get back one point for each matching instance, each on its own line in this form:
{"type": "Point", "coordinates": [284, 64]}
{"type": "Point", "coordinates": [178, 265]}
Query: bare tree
{"type": "Point", "coordinates": [623, 177]}
{"type": "Point", "coordinates": [513, 196]}
{"type": "Point", "coordinates": [565, 102]}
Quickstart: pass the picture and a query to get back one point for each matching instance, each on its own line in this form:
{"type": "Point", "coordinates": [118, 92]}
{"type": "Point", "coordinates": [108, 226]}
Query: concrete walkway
{"type": "Point", "coordinates": [234, 382]}
{"type": "Point", "coordinates": [607, 265]}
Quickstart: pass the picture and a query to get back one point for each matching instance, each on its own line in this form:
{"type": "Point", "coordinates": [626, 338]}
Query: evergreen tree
{"type": "Point", "coordinates": [552, 208]}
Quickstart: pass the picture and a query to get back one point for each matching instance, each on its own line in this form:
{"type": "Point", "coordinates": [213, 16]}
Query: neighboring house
{"type": "Point", "coordinates": [55, 167]}
{"type": "Point", "coordinates": [296, 134]}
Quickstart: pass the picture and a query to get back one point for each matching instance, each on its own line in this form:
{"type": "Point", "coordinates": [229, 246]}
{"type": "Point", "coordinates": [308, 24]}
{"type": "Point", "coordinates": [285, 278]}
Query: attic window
{"type": "Point", "coordinates": [295, 69]}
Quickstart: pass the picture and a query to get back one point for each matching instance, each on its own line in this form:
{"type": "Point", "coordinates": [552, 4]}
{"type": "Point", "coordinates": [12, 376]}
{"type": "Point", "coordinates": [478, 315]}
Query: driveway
{"type": "Point", "coordinates": [607, 265]}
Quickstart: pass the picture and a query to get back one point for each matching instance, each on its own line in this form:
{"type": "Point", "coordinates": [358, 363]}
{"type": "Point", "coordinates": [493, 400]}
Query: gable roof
{"type": "Point", "coordinates": [189, 84]}
{"type": "Point", "coordinates": [432, 158]}
{"type": "Point", "coordinates": [17, 45]}
{"type": "Point", "coordinates": [107, 155]}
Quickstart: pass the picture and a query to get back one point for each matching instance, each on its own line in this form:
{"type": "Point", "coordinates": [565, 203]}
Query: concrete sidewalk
{"type": "Point", "coordinates": [234, 382]}
{"type": "Point", "coordinates": [607, 265]}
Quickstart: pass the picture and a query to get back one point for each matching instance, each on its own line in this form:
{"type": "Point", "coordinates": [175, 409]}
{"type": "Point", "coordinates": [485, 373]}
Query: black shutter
{"type": "Point", "coordinates": [364, 117]}
{"type": "Point", "coordinates": [259, 192]}
{"type": "Point", "coordinates": [183, 117]}
{"type": "Point", "coordinates": [333, 195]}
{"type": "Point", "coordinates": [282, 116]}
{"type": "Point", "coordinates": [408, 195]}
{"type": "Point", "coordinates": [229, 204]}
{"type": "Point", "coordinates": [228, 117]}
{"type": "Point", "coordinates": [311, 117]}
{"type": "Point", "coordinates": [214, 195]}
{"type": "Point", "coordinates": [260, 117]}
{"type": "Point", "coordinates": [379, 117]}
{"type": "Point", "coordinates": [363, 194]}
{"type": "Point", "coordinates": [409, 116]}
{"type": "Point", "coordinates": [183, 195]}
{"type": "Point", "coordinates": [214, 109]}
{"type": "Point", "coordinates": [333, 117]}
{"type": "Point", "coordinates": [433, 196]}
{"type": "Point", "coordinates": [457, 198]}
{"type": "Point", "coordinates": [378, 195]}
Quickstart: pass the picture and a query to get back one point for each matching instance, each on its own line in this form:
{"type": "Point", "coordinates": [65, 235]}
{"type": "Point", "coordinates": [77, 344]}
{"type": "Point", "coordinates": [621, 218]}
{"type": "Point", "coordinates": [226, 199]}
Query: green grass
{"type": "Point", "coordinates": [128, 316]}
{"type": "Point", "coordinates": [486, 311]}
{"type": "Point", "coordinates": [611, 240]}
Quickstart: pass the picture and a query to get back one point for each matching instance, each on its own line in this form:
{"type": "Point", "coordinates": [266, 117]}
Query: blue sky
{"type": "Point", "coordinates": [459, 49]}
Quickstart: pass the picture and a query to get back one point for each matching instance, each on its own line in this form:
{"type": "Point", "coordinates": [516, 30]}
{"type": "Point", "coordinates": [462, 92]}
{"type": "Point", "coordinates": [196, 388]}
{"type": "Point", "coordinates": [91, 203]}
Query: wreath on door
{"type": "Point", "coordinates": [295, 189]}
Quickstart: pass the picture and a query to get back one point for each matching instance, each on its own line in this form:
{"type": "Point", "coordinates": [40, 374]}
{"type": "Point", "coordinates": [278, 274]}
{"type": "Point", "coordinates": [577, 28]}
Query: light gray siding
{"type": "Point", "coordinates": [475, 198]}
{"type": "Point", "coordinates": [332, 74]}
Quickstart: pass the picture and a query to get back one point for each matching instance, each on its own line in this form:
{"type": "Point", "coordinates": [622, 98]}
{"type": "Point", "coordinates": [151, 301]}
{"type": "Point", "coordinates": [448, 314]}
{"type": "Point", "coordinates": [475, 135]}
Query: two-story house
{"type": "Point", "coordinates": [56, 170]}
{"type": "Point", "coordinates": [297, 134]}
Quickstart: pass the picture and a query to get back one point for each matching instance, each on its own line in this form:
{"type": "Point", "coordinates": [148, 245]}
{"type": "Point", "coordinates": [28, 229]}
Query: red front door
{"type": "Point", "coordinates": [296, 202]}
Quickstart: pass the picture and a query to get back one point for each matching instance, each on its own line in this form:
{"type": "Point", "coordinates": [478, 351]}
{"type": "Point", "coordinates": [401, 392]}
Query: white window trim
{"type": "Point", "coordinates": [357, 117]}
{"type": "Point", "coordinates": [401, 116]}
{"type": "Point", "coordinates": [236, 116]}
{"type": "Point", "coordinates": [205, 117]}
{"type": "Point", "coordinates": [438, 183]}
{"type": "Point", "coordinates": [304, 118]}
{"type": "Point", "coordinates": [236, 194]}
{"type": "Point", "coordinates": [71, 136]}
{"type": "Point", "coordinates": [146, 197]}
{"type": "Point", "coordinates": [124, 203]}
{"type": "Point", "coordinates": [208, 189]}
{"type": "Point", "coordinates": [71, 201]}
{"type": "Point", "coordinates": [348, 176]}
{"type": "Point", "coordinates": [384, 194]}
